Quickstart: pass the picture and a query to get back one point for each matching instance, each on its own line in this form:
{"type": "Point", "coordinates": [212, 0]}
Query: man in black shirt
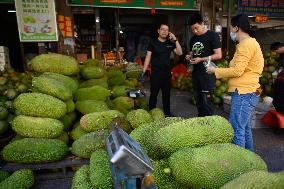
{"type": "Point", "coordinates": [205, 45]}
{"type": "Point", "coordinates": [158, 54]}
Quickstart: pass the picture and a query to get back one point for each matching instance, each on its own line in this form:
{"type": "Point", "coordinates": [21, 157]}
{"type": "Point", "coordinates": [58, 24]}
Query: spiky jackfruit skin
{"type": "Point", "coordinates": [144, 135]}
{"type": "Point", "coordinates": [21, 179]}
{"type": "Point", "coordinates": [88, 143]}
{"type": "Point", "coordinates": [52, 87]}
{"type": "Point", "coordinates": [98, 120]}
{"type": "Point", "coordinates": [64, 137]}
{"type": "Point", "coordinates": [120, 90]}
{"type": "Point", "coordinates": [3, 175]}
{"type": "Point", "coordinates": [115, 77]}
{"type": "Point", "coordinates": [92, 93]}
{"type": "Point", "coordinates": [35, 150]}
{"type": "Point", "coordinates": [77, 132]}
{"type": "Point", "coordinates": [92, 62]}
{"type": "Point", "coordinates": [81, 179]}
{"type": "Point", "coordinates": [55, 63]}
{"type": "Point", "coordinates": [157, 114]}
{"type": "Point", "coordinates": [90, 106]}
{"type": "Point", "coordinates": [93, 82]}
{"type": "Point", "coordinates": [123, 104]}
{"type": "Point", "coordinates": [194, 132]}
{"type": "Point", "coordinates": [133, 74]}
{"type": "Point", "coordinates": [213, 165]}
{"type": "Point", "coordinates": [92, 72]}
{"type": "Point", "coordinates": [131, 82]}
{"type": "Point", "coordinates": [37, 127]}
{"type": "Point", "coordinates": [122, 123]}
{"type": "Point", "coordinates": [67, 81]}
{"type": "Point", "coordinates": [100, 174]}
{"type": "Point", "coordinates": [257, 180]}
{"type": "Point", "coordinates": [39, 105]}
{"type": "Point", "coordinates": [138, 117]}
{"type": "Point", "coordinates": [70, 105]}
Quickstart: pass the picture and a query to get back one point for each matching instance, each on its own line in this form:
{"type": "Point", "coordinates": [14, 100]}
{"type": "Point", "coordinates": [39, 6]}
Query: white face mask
{"type": "Point", "coordinates": [233, 36]}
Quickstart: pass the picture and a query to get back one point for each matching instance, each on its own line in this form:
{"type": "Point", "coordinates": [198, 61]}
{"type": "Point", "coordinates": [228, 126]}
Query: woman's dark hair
{"type": "Point", "coordinates": [242, 21]}
{"type": "Point", "coordinates": [195, 19]}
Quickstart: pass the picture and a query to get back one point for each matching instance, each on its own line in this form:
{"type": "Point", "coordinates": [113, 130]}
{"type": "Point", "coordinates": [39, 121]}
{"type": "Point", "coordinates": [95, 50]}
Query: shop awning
{"type": "Point", "coordinates": [140, 4]}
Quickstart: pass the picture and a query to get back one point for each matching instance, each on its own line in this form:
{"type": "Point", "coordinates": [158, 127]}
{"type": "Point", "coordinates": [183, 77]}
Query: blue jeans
{"type": "Point", "coordinates": [242, 107]}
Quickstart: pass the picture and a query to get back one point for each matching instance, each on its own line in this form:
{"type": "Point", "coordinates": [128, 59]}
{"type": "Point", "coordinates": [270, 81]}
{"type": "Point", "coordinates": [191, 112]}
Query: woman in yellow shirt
{"type": "Point", "coordinates": [243, 73]}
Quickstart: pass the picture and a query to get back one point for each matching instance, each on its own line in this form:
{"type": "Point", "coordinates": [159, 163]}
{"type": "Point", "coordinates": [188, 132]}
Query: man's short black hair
{"type": "Point", "coordinates": [276, 45]}
{"type": "Point", "coordinates": [195, 19]}
{"type": "Point", "coordinates": [163, 23]}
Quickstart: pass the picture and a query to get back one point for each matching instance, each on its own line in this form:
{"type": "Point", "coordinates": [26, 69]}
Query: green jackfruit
{"type": "Point", "coordinates": [93, 82]}
{"type": "Point", "coordinates": [257, 180]}
{"type": "Point", "coordinates": [142, 103]}
{"type": "Point", "coordinates": [69, 82]}
{"type": "Point", "coordinates": [81, 179]}
{"type": "Point", "coordinates": [92, 72]}
{"type": "Point", "coordinates": [39, 105]}
{"type": "Point", "coordinates": [157, 114]}
{"type": "Point", "coordinates": [133, 74]}
{"type": "Point", "coordinates": [90, 106]}
{"type": "Point", "coordinates": [131, 82]}
{"type": "Point", "coordinates": [67, 122]}
{"type": "Point", "coordinates": [138, 117]}
{"type": "Point", "coordinates": [145, 135]}
{"type": "Point", "coordinates": [120, 90]}
{"type": "Point", "coordinates": [56, 63]}
{"type": "Point", "coordinates": [193, 132]}
{"type": "Point", "coordinates": [100, 174]}
{"type": "Point", "coordinates": [92, 62]}
{"type": "Point", "coordinates": [98, 120]}
{"type": "Point", "coordinates": [123, 104]}
{"type": "Point", "coordinates": [77, 132]}
{"type": "Point", "coordinates": [52, 87]}
{"type": "Point", "coordinates": [92, 93]}
{"type": "Point", "coordinates": [213, 165]}
{"type": "Point", "coordinates": [3, 175]}
{"type": "Point", "coordinates": [70, 105]}
{"type": "Point", "coordinates": [115, 77]}
{"type": "Point", "coordinates": [64, 137]}
{"type": "Point", "coordinates": [35, 150]}
{"type": "Point", "coordinates": [122, 123]}
{"type": "Point", "coordinates": [87, 144]}
{"type": "Point", "coordinates": [37, 127]}
{"type": "Point", "coordinates": [21, 179]}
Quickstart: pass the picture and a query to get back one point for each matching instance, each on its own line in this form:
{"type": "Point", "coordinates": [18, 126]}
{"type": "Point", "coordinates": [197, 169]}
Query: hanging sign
{"type": "Point", "coordinates": [270, 8]}
{"type": "Point", "coordinates": [36, 20]}
{"type": "Point", "coordinates": [141, 4]}
{"type": "Point", "coordinates": [65, 25]}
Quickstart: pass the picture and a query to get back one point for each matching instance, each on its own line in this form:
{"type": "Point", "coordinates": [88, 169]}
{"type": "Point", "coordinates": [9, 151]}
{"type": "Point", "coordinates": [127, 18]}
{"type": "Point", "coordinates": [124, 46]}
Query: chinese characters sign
{"type": "Point", "coordinates": [271, 8]}
{"type": "Point", "coordinates": [36, 20]}
{"type": "Point", "coordinates": [65, 25]}
{"type": "Point", "coordinates": [146, 4]}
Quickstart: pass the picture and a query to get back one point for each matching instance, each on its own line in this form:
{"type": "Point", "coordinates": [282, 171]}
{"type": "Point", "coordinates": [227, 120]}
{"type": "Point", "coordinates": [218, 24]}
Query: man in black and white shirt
{"type": "Point", "coordinates": [158, 54]}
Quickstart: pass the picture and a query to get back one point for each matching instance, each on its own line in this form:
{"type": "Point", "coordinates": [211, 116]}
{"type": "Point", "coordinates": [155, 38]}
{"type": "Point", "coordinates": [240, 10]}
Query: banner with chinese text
{"type": "Point", "coordinates": [65, 25]}
{"type": "Point", "coordinates": [36, 20]}
{"type": "Point", "coordinates": [271, 8]}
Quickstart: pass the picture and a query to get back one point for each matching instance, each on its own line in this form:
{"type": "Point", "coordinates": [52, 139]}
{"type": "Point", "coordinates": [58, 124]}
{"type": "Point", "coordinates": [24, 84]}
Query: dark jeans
{"type": "Point", "coordinates": [160, 80]}
{"type": "Point", "coordinates": [203, 91]}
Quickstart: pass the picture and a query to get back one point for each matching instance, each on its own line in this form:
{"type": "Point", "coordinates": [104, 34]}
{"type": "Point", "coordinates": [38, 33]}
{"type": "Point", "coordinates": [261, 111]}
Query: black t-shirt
{"type": "Point", "coordinates": [203, 46]}
{"type": "Point", "coordinates": [161, 52]}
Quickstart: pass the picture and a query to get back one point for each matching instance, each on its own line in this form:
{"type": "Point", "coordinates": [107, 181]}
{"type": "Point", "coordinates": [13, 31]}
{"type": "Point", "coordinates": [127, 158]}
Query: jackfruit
{"type": "Point", "coordinates": [90, 106]}
{"type": "Point", "coordinates": [122, 123]}
{"type": "Point", "coordinates": [120, 90]}
{"type": "Point", "coordinates": [92, 72]}
{"type": "Point", "coordinates": [92, 93]}
{"type": "Point", "coordinates": [77, 132]}
{"type": "Point", "coordinates": [81, 179]}
{"type": "Point", "coordinates": [123, 104]}
{"type": "Point", "coordinates": [144, 135]}
{"type": "Point", "coordinates": [193, 132]}
{"type": "Point", "coordinates": [37, 127]}
{"type": "Point", "coordinates": [138, 117]}
{"type": "Point", "coordinates": [142, 103]}
{"type": "Point", "coordinates": [257, 180]}
{"type": "Point", "coordinates": [21, 179]}
{"type": "Point", "coordinates": [39, 105]}
{"type": "Point", "coordinates": [133, 74]}
{"type": "Point", "coordinates": [213, 165]}
{"type": "Point", "coordinates": [56, 63]}
{"type": "Point", "coordinates": [3, 175]}
{"type": "Point", "coordinates": [88, 143]}
{"type": "Point", "coordinates": [70, 105]}
{"type": "Point", "coordinates": [92, 62]}
{"type": "Point", "coordinates": [100, 174]}
{"type": "Point", "coordinates": [66, 120]}
{"type": "Point", "coordinates": [93, 82]}
{"type": "Point", "coordinates": [131, 82]}
{"type": "Point", "coordinates": [157, 114]}
{"type": "Point", "coordinates": [69, 82]}
{"type": "Point", "coordinates": [35, 150]}
{"type": "Point", "coordinates": [98, 120]}
{"type": "Point", "coordinates": [52, 87]}
{"type": "Point", "coordinates": [115, 77]}
{"type": "Point", "coordinates": [64, 137]}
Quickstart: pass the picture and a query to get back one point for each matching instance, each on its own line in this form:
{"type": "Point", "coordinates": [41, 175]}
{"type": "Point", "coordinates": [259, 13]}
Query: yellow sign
{"type": "Point", "coordinates": [36, 20]}
{"type": "Point", "coordinates": [261, 18]}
